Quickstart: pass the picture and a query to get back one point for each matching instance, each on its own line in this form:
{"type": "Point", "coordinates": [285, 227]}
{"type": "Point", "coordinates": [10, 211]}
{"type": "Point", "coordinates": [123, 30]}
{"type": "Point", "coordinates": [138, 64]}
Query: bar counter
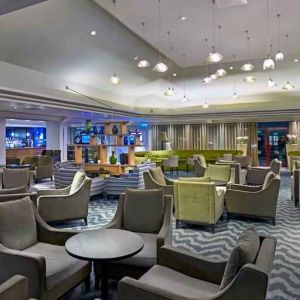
{"type": "Point", "coordinates": [23, 152]}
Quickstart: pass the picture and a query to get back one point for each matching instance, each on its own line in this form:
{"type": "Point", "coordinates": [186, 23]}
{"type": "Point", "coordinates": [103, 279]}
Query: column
{"type": "Point", "coordinates": [2, 141]}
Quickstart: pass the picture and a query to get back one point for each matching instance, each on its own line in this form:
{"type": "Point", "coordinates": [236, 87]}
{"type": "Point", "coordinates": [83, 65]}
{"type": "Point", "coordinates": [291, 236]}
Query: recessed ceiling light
{"type": "Point", "coordinates": [182, 18]}
{"type": "Point", "coordinates": [93, 33]}
{"type": "Point", "coordinates": [174, 74]}
{"type": "Point", "coordinates": [296, 60]}
{"type": "Point", "coordinates": [136, 58]}
{"type": "Point", "coordinates": [231, 68]}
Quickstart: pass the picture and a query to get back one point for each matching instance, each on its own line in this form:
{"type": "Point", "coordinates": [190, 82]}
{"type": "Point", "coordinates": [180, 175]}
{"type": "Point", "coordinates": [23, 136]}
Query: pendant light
{"type": "Point", "coordinates": [271, 83]}
{"type": "Point", "coordinates": [234, 94]}
{"type": "Point", "coordinates": [287, 85]}
{"type": "Point", "coordinates": [247, 67]}
{"type": "Point", "coordinates": [268, 62]}
{"type": "Point", "coordinates": [249, 79]}
{"type": "Point", "coordinates": [160, 66]}
{"type": "Point", "coordinates": [143, 63]}
{"type": "Point", "coordinates": [205, 104]}
{"type": "Point", "coordinates": [279, 55]}
{"type": "Point", "coordinates": [184, 99]}
{"type": "Point", "coordinates": [214, 57]}
{"type": "Point", "coordinates": [220, 72]}
{"type": "Point", "coordinates": [206, 79]}
{"type": "Point", "coordinates": [170, 91]}
{"type": "Point", "coordinates": [114, 79]}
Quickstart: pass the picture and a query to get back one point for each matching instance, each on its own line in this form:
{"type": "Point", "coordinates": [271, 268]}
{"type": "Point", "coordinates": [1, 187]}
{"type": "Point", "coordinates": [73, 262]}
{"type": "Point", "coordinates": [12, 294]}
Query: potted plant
{"type": "Point", "coordinates": [242, 144]}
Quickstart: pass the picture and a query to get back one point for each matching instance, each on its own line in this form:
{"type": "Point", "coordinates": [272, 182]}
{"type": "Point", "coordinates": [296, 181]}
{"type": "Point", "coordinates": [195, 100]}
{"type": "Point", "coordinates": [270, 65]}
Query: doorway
{"type": "Point", "coordinates": [272, 137]}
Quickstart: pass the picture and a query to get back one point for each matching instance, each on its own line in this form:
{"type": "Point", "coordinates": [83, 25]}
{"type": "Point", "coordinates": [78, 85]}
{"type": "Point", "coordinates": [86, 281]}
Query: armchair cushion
{"type": "Point", "coordinates": [158, 175]}
{"type": "Point", "coordinates": [244, 252]}
{"type": "Point", "coordinates": [143, 203]}
{"type": "Point", "coordinates": [173, 283]}
{"type": "Point", "coordinates": [268, 179]}
{"type": "Point", "coordinates": [194, 179]}
{"type": "Point", "coordinates": [17, 224]}
{"type": "Point", "coordinates": [77, 181]}
{"type": "Point", "coordinates": [59, 264]}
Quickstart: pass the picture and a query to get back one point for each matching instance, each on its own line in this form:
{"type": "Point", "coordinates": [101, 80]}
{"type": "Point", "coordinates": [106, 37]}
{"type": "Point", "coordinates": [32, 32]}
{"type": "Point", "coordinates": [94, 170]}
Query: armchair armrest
{"type": "Point", "coordinates": [49, 192]}
{"type": "Point", "coordinates": [247, 188]}
{"type": "Point", "coordinates": [192, 265]}
{"type": "Point", "coordinates": [14, 288]}
{"type": "Point", "coordinates": [165, 234]}
{"type": "Point", "coordinates": [50, 235]}
{"type": "Point", "coordinates": [169, 181]}
{"type": "Point", "coordinates": [116, 222]}
{"type": "Point", "coordinates": [30, 265]}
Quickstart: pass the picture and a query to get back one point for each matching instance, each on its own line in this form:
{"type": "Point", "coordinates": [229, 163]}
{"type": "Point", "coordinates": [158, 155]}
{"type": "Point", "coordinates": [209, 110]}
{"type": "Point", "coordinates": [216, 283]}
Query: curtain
{"type": "Point", "coordinates": [252, 129]}
{"type": "Point", "coordinates": [294, 128]}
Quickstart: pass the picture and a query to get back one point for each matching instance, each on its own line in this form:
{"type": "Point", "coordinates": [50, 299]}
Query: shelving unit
{"type": "Point", "coordinates": [102, 149]}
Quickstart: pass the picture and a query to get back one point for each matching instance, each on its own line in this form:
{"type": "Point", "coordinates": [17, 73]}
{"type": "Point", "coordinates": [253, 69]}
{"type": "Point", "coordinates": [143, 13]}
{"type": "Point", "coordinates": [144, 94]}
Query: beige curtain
{"type": "Point", "coordinates": [294, 128]}
{"type": "Point", "coordinates": [252, 129]}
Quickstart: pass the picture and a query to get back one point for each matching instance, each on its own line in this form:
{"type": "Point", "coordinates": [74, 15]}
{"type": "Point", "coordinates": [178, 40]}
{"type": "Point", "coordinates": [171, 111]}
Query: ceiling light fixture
{"type": "Point", "coordinates": [296, 60]}
{"type": "Point", "coordinates": [114, 79]}
{"type": "Point", "coordinates": [214, 57]}
{"type": "Point", "coordinates": [160, 66]}
{"type": "Point", "coordinates": [206, 79]}
{"type": "Point", "coordinates": [143, 63]}
{"type": "Point", "coordinates": [171, 90]}
{"type": "Point", "coordinates": [220, 72]}
{"type": "Point", "coordinates": [184, 99]}
{"type": "Point", "coordinates": [249, 79]}
{"type": "Point", "coordinates": [234, 95]}
{"type": "Point", "coordinates": [287, 85]}
{"type": "Point", "coordinates": [182, 18]}
{"type": "Point", "coordinates": [213, 76]}
{"type": "Point", "coordinates": [247, 67]}
{"type": "Point", "coordinates": [279, 55]}
{"type": "Point", "coordinates": [268, 62]}
{"type": "Point", "coordinates": [205, 105]}
{"type": "Point", "coordinates": [93, 33]}
{"type": "Point", "coordinates": [230, 68]}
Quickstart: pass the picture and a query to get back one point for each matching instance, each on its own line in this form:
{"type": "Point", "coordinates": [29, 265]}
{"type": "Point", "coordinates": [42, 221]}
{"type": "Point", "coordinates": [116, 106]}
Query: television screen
{"type": "Point", "coordinates": [85, 139]}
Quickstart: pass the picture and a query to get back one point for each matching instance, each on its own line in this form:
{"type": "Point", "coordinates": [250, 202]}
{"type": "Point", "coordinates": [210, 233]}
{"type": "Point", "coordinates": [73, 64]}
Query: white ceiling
{"type": "Point", "coordinates": [48, 46]}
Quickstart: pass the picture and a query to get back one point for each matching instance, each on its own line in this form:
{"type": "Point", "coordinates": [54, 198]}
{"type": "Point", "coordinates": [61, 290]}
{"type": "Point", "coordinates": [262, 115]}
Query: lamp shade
{"type": "Point", "coordinates": [163, 136]}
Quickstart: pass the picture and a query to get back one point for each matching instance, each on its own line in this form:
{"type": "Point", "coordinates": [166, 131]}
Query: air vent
{"type": "Point", "coordinates": [230, 3]}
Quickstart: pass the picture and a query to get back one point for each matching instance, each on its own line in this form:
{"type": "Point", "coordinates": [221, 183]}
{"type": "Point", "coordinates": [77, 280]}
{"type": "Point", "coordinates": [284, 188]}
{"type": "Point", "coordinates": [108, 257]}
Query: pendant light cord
{"type": "Point", "coordinates": [159, 27]}
{"type": "Point", "coordinates": [279, 32]}
{"type": "Point", "coordinates": [287, 45]}
{"type": "Point", "coordinates": [114, 28]}
{"type": "Point", "coordinates": [143, 42]}
{"type": "Point", "coordinates": [169, 49]}
{"type": "Point", "coordinates": [268, 26]}
{"type": "Point", "coordinates": [183, 74]}
{"type": "Point", "coordinates": [214, 24]}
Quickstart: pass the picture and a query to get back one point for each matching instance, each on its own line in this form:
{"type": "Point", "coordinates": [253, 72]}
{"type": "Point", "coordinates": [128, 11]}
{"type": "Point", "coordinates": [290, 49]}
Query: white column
{"type": "Point", "coordinates": [63, 141]}
{"type": "Point", "coordinates": [53, 135]}
{"type": "Point", "coordinates": [149, 138]}
{"type": "Point", "coordinates": [2, 143]}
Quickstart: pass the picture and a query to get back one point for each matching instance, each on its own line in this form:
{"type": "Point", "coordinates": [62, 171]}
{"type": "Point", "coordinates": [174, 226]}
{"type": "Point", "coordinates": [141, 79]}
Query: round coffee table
{"type": "Point", "coordinates": [104, 245]}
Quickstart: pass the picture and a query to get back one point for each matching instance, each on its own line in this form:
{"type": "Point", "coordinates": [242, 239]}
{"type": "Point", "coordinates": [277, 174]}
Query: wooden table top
{"type": "Point", "coordinates": [104, 245]}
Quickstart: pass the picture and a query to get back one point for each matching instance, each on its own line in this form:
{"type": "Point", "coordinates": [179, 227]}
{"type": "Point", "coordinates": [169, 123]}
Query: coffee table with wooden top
{"type": "Point", "coordinates": [104, 245]}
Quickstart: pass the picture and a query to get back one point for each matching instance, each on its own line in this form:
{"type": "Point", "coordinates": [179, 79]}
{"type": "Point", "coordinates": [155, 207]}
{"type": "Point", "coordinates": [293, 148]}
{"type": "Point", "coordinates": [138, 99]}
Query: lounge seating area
{"type": "Point", "coordinates": [150, 150]}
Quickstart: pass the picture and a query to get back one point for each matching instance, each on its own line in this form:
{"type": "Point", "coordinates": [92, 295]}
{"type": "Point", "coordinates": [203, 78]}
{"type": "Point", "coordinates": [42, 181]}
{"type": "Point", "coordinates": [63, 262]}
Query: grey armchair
{"type": "Point", "coordinates": [14, 288]}
{"type": "Point", "coordinates": [180, 275]}
{"type": "Point", "coordinates": [199, 167]}
{"type": "Point", "coordinates": [69, 203]}
{"type": "Point", "coordinates": [254, 201]}
{"type": "Point", "coordinates": [148, 213]}
{"type": "Point", "coordinates": [31, 248]}
{"type": "Point", "coordinates": [155, 179]}
{"type": "Point", "coordinates": [44, 168]}
{"type": "Point", "coordinates": [239, 173]}
{"type": "Point", "coordinates": [14, 178]}
{"type": "Point", "coordinates": [256, 175]}
{"type": "Point", "coordinates": [295, 182]}
{"type": "Point", "coordinates": [171, 163]}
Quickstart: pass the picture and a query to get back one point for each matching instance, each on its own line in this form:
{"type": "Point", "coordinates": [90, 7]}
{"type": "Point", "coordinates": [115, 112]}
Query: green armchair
{"type": "Point", "coordinates": [198, 202]}
{"type": "Point", "coordinates": [223, 173]}
{"type": "Point", "coordinates": [155, 179]}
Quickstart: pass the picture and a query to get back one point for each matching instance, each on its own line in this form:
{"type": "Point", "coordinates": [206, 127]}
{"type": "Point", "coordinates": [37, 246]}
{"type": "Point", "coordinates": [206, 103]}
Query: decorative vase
{"type": "Point", "coordinates": [101, 131]}
{"type": "Point", "coordinates": [88, 125]}
{"type": "Point", "coordinates": [242, 147]}
{"type": "Point", "coordinates": [131, 140]}
{"type": "Point", "coordinates": [115, 129]}
{"type": "Point", "coordinates": [113, 159]}
{"type": "Point", "coordinates": [125, 140]}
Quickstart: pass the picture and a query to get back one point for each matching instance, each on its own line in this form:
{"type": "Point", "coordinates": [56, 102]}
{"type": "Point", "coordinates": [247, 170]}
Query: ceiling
{"type": "Point", "coordinates": [47, 46]}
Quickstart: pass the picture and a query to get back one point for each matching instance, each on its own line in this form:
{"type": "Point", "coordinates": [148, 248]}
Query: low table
{"type": "Point", "coordinates": [15, 166]}
{"type": "Point", "coordinates": [104, 245]}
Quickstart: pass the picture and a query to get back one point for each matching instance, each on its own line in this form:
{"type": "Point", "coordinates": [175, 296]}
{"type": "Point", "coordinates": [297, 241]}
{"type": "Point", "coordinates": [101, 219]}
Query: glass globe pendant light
{"type": "Point", "coordinates": [160, 66]}
{"type": "Point", "coordinates": [170, 91]}
{"type": "Point", "coordinates": [221, 72]}
{"type": "Point", "coordinates": [249, 79]}
{"type": "Point", "coordinates": [247, 67]}
{"type": "Point", "coordinates": [214, 56]}
{"type": "Point", "coordinates": [184, 99]}
{"type": "Point", "coordinates": [279, 55]}
{"type": "Point", "coordinates": [143, 63]}
{"type": "Point", "coordinates": [287, 85]}
{"type": "Point", "coordinates": [114, 79]}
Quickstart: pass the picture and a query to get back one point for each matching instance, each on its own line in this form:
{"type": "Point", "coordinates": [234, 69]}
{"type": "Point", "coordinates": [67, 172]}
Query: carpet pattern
{"type": "Point", "coordinates": [285, 278]}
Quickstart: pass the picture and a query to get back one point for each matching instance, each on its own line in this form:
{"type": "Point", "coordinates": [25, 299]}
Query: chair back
{"type": "Point", "coordinates": [77, 181]}
{"type": "Point", "coordinates": [16, 177]}
{"type": "Point", "coordinates": [12, 161]}
{"type": "Point", "coordinates": [201, 159]}
{"type": "Point", "coordinates": [199, 169]}
{"type": "Point", "coordinates": [244, 160]}
{"type": "Point", "coordinates": [45, 160]}
{"type": "Point", "coordinates": [218, 172]}
{"type": "Point", "coordinates": [158, 176]}
{"type": "Point", "coordinates": [143, 210]}
{"type": "Point", "coordinates": [195, 201]}
{"type": "Point", "coordinates": [227, 156]}
{"type": "Point", "coordinates": [276, 166]}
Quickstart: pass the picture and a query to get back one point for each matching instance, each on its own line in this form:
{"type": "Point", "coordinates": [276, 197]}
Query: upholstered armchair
{"type": "Point", "coordinates": [198, 202]}
{"type": "Point", "coordinates": [254, 201]}
{"type": "Point", "coordinates": [171, 163]}
{"type": "Point", "coordinates": [256, 175]}
{"type": "Point", "coordinates": [68, 203]}
{"type": "Point", "coordinates": [148, 213]}
{"type": "Point", "coordinates": [239, 173]}
{"type": "Point", "coordinates": [191, 161]}
{"type": "Point", "coordinates": [182, 275]}
{"type": "Point", "coordinates": [222, 173]}
{"type": "Point", "coordinates": [14, 178]}
{"type": "Point", "coordinates": [244, 160]}
{"type": "Point", "coordinates": [155, 179]}
{"type": "Point", "coordinates": [200, 167]}
{"type": "Point", "coordinates": [44, 168]}
{"type": "Point", "coordinates": [14, 288]}
{"type": "Point", "coordinates": [17, 193]}
{"type": "Point", "coordinates": [31, 248]}
{"type": "Point", "coordinates": [295, 182]}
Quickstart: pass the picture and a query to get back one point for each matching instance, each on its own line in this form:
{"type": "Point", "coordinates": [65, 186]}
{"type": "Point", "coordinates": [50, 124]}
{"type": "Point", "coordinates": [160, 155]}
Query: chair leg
{"type": "Point", "coordinates": [177, 170]}
{"type": "Point", "coordinates": [177, 224]}
{"type": "Point", "coordinates": [213, 229]}
{"type": "Point", "coordinates": [87, 284]}
{"type": "Point", "coordinates": [85, 221]}
{"type": "Point", "coordinates": [187, 168]}
{"type": "Point", "coordinates": [273, 222]}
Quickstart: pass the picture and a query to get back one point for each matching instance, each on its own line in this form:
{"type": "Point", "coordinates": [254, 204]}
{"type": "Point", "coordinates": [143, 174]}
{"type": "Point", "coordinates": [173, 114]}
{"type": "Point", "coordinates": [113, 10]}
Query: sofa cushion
{"type": "Point", "coordinates": [17, 224]}
{"type": "Point", "coordinates": [15, 177]}
{"type": "Point", "coordinates": [143, 210]}
{"type": "Point", "coordinates": [158, 175]}
{"type": "Point", "coordinates": [175, 285]}
{"type": "Point", "coordinates": [194, 179]}
{"type": "Point", "coordinates": [268, 179]}
{"type": "Point", "coordinates": [244, 252]}
{"type": "Point", "coordinates": [77, 181]}
{"type": "Point", "coordinates": [59, 264]}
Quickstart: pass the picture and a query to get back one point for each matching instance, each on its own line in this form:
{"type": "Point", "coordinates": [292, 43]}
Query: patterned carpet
{"type": "Point", "coordinates": [285, 278]}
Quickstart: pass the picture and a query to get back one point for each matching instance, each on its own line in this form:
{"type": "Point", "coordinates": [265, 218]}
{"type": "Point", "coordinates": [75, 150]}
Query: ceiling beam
{"type": "Point", "coordinates": [7, 6]}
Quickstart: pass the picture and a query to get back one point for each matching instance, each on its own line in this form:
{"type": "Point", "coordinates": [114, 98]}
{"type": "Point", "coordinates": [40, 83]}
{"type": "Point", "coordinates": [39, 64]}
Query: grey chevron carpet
{"type": "Point", "coordinates": [285, 278]}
